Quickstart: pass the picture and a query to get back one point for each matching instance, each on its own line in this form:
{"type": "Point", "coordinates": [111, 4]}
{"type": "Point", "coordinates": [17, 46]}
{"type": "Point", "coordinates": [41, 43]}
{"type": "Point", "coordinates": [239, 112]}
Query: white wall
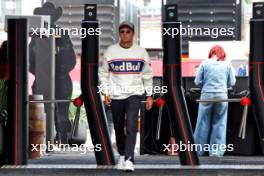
{"type": "Point", "coordinates": [28, 6]}
{"type": "Point", "coordinates": [235, 50]}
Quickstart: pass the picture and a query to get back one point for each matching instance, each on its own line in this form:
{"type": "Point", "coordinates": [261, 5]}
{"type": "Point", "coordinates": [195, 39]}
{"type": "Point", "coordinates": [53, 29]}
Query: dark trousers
{"type": "Point", "coordinates": [125, 117]}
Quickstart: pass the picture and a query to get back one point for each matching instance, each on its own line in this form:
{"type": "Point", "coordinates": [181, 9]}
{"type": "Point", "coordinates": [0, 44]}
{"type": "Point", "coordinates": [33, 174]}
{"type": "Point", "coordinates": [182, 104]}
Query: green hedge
{"type": "Point", "coordinates": [72, 111]}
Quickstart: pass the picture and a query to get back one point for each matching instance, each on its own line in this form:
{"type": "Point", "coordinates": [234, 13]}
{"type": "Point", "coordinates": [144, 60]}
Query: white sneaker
{"type": "Point", "coordinates": [129, 166]}
{"type": "Point", "coordinates": [121, 163]}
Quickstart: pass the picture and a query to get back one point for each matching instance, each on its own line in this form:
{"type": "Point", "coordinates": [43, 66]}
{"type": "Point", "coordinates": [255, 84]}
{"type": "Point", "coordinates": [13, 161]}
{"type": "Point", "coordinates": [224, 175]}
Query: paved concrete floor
{"type": "Point", "coordinates": [65, 163]}
{"type": "Point", "coordinates": [74, 163]}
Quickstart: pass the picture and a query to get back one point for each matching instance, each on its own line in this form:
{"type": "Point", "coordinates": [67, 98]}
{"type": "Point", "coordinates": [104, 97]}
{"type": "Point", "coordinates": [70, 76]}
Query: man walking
{"type": "Point", "coordinates": [124, 76]}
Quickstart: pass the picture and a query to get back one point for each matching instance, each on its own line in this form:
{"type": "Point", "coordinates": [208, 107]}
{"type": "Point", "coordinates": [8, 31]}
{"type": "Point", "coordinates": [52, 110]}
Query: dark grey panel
{"type": "Point", "coordinates": [73, 14]}
{"type": "Point", "coordinates": [209, 14]}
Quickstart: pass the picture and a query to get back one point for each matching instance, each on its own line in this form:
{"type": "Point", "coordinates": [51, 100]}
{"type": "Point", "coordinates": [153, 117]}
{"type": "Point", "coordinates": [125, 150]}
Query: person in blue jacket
{"type": "Point", "coordinates": [214, 76]}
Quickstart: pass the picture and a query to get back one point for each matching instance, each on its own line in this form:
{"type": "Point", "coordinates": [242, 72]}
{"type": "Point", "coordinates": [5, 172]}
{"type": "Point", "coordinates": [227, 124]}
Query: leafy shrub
{"type": "Point", "coordinates": [72, 112]}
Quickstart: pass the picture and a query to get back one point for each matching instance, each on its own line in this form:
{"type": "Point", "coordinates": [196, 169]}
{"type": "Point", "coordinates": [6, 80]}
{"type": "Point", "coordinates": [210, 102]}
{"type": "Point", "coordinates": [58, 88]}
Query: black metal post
{"type": "Point", "coordinates": [89, 82]}
{"type": "Point", "coordinates": [256, 73]}
{"type": "Point", "coordinates": [17, 124]}
{"type": "Point", "coordinates": [175, 99]}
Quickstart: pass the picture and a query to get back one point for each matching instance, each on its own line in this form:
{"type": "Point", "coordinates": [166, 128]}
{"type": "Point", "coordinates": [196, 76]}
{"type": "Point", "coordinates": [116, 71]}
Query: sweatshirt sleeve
{"type": "Point", "coordinates": [199, 77]}
{"type": "Point", "coordinates": [147, 75]}
{"type": "Point", "coordinates": [103, 75]}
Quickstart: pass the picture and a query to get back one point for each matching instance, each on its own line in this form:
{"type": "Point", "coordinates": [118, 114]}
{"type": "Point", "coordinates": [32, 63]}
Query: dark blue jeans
{"type": "Point", "coordinates": [211, 124]}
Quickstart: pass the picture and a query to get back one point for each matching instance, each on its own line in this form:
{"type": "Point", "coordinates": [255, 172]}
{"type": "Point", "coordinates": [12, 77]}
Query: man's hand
{"type": "Point", "coordinates": [107, 100]}
{"type": "Point", "coordinates": [149, 103]}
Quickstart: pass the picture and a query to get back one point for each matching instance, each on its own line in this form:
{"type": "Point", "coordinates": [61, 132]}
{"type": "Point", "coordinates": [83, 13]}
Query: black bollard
{"type": "Point", "coordinates": [256, 74]}
{"type": "Point", "coordinates": [89, 82]}
{"type": "Point", "coordinates": [17, 123]}
{"type": "Point", "coordinates": [175, 99]}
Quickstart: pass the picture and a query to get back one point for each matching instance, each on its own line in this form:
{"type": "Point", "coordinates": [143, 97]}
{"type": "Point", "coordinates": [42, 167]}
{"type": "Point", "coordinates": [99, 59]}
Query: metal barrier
{"type": "Point", "coordinates": [51, 101]}
{"type": "Point", "coordinates": [217, 100]}
{"type": "Point", "coordinates": [245, 101]}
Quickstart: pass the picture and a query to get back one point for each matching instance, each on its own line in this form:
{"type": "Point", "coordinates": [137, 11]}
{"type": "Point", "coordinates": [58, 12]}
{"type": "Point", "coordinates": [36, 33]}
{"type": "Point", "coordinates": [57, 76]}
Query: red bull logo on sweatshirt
{"type": "Point", "coordinates": [126, 66]}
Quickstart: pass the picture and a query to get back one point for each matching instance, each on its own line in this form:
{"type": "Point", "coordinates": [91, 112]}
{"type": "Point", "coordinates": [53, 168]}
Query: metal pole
{"type": "Point", "coordinates": [92, 100]}
{"type": "Point", "coordinates": [17, 123]}
{"type": "Point", "coordinates": [50, 109]}
{"type": "Point", "coordinates": [50, 101]}
{"type": "Point", "coordinates": [256, 76]}
{"type": "Point", "coordinates": [159, 123]}
{"type": "Point", "coordinates": [180, 120]}
{"type": "Point", "coordinates": [217, 100]}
